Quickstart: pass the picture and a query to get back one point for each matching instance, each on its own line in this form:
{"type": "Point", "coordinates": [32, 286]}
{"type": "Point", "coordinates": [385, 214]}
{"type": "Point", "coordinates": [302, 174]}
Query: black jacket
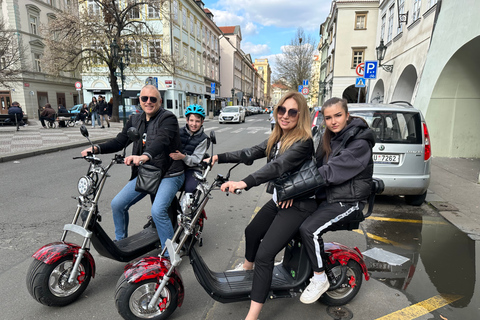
{"type": "Point", "coordinates": [102, 107]}
{"type": "Point", "coordinates": [288, 161]}
{"type": "Point", "coordinates": [162, 139]}
{"type": "Point", "coordinates": [349, 168]}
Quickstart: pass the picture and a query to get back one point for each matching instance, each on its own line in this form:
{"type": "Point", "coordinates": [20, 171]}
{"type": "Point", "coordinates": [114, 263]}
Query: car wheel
{"type": "Point", "coordinates": [415, 200]}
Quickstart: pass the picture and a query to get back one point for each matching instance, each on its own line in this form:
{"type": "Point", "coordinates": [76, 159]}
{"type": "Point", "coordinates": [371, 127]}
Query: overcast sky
{"type": "Point", "coordinates": [267, 25]}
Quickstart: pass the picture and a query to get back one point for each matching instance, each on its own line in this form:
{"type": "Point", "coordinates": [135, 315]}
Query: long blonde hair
{"type": "Point", "coordinates": [302, 130]}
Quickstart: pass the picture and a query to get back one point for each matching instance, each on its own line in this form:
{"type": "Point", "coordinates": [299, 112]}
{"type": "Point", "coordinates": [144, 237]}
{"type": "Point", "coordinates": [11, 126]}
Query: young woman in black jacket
{"type": "Point", "coordinates": [345, 159]}
{"type": "Point", "coordinates": [288, 146]}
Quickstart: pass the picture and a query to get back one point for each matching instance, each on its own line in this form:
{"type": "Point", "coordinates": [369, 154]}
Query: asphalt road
{"type": "Point", "coordinates": [36, 202]}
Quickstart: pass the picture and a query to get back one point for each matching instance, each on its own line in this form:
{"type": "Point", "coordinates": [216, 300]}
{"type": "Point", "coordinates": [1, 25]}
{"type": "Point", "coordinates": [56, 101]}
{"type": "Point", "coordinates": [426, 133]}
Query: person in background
{"type": "Point", "coordinates": [93, 109]}
{"type": "Point", "coordinates": [62, 109]}
{"type": "Point", "coordinates": [16, 110]}
{"type": "Point", "coordinates": [272, 120]}
{"type": "Point", "coordinates": [195, 144]}
{"type": "Point", "coordinates": [110, 108]}
{"type": "Point", "coordinates": [47, 114]}
{"type": "Point", "coordinates": [82, 115]}
{"type": "Point", "coordinates": [103, 111]}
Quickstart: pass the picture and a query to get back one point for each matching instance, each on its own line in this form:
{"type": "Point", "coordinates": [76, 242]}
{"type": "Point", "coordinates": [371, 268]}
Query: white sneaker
{"type": "Point", "coordinates": [314, 290]}
{"type": "Point", "coordinates": [239, 267]}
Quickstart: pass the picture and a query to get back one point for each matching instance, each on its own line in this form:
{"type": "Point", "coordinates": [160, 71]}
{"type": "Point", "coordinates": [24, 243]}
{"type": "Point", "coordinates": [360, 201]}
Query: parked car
{"type": "Point", "coordinates": [129, 110]}
{"type": "Point", "coordinates": [402, 151]}
{"type": "Point", "coordinates": [232, 114]}
{"type": "Point", "coordinates": [76, 108]}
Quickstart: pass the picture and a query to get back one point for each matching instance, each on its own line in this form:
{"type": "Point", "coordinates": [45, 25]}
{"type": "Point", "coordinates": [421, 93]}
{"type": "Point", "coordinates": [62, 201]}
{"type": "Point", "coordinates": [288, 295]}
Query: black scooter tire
{"type": "Point", "coordinates": [342, 296]}
{"type": "Point", "coordinates": [56, 293]}
{"type": "Point", "coordinates": [133, 295]}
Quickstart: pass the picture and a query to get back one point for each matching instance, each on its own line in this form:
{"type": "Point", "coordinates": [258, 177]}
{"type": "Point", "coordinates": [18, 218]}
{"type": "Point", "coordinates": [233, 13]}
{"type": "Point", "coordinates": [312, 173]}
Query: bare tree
{"type": "Point", "coordinates": [295, 63]}
{"type": "Point", "coordinates": [12, 59]}
{"type": "Point", "coordinates": [81, 38]}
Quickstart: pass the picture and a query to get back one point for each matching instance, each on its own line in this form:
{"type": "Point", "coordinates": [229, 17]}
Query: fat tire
{"type": "Point", "coordinates": [415, 200]}
{"type": "Point", "coordinates": [124, 291]}
{"type": "Point", "coordinates": [38, 276]}
{"type": "Point", "coordinates": [342, 296]}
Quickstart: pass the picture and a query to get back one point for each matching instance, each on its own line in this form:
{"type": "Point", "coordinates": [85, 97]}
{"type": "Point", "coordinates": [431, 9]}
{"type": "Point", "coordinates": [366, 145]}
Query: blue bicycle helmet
{"type": "Point", "coordinates": [195, 109]}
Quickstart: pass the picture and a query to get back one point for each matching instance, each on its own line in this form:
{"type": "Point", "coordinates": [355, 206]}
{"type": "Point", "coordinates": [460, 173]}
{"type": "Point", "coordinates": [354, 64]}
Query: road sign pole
{"type": "Point", "coordinates": [367, 88]}
{"type": "Point", "coordinates": [358, 99]}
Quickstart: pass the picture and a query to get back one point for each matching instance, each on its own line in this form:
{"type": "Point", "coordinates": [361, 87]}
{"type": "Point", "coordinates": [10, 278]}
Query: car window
{"type": "Point", "coordinates": [393, 126]}
{"type": "Point", "coordinates": [230, 109]}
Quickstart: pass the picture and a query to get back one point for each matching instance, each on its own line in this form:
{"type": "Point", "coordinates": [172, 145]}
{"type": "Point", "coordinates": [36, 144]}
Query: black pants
{"type": "Point", "coordinates": [42, 120]}
{"type": "Point", "coordinates": [190, 181]}
{"type": "Point", "coordinates": [321, 221]}
{"type": "Point", "coordinates": [266, 235]}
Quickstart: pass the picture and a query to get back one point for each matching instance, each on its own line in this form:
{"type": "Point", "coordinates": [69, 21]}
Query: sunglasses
{"type": "Point", "coordinates": [152, 99]}
{"type": "Point", "coordinates": [291, 112]}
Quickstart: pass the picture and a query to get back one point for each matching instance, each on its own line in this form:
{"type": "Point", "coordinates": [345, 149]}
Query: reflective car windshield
{"type": "Point", "coordinates": [393, 126]}
{"type": "Point", "coordinates": [230, 109]}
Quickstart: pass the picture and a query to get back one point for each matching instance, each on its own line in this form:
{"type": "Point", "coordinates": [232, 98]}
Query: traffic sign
{"type": "Point", "coordinates": [371, 69]}
{"type": "Point", "coordinates": [78, 85]}
{"type": "Point", "coordinates": [359, 69]}
{"type": "Point", "coordinates": [305, 90]}
{"type": "Point", "coordinates": [360, 82]}
{"type": "Point", "coordinates": [300, 87]}
{"type": "Point", "coordinates": [212, 88]}
{"type": "Point", "coordinates": [305, 83]}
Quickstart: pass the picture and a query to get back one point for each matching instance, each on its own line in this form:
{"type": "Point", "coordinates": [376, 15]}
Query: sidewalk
{"type": "Point", "coordinates": [454, 189]}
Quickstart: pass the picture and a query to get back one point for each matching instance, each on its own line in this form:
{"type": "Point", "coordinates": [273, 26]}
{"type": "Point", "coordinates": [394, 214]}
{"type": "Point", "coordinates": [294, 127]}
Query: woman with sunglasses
{"type": "Point", "coordinates": [344, 157]}
{"type": "Point", "coordinates": [276, 223]}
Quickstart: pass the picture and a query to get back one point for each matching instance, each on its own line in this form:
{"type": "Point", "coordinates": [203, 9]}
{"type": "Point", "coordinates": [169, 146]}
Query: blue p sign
{"type": "Point", "coordinates": [370, 70]}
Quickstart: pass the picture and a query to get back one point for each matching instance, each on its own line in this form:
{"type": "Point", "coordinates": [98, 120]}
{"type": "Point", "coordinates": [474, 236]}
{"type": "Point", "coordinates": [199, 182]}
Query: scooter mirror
{"type": "Point", "coordinates": [212, 137]}
{"type": "Point", "coordinates": [133, 134]}
{"type": "Point", "coordinates": [245, 157]}
{"type": "Point", "coordinates": [84, 131]}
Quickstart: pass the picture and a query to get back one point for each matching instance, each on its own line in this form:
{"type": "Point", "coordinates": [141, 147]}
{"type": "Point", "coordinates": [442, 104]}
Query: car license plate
{"type": "Point", "coordinates": [227, 118]}
{"type": "Point", "coordinates": [386, 158]}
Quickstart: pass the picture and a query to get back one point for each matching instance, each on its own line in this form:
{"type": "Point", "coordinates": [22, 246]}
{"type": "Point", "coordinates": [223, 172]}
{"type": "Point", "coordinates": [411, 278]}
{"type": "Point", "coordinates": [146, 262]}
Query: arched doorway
{"type": "Point", "coordinates": [405, 85]}
{"type": "Point", "coordinates": [351, 94]}
{"type": "Point", "coordinates": [454, 107]}
{"type": "Point", "coordinates": [378, 92]}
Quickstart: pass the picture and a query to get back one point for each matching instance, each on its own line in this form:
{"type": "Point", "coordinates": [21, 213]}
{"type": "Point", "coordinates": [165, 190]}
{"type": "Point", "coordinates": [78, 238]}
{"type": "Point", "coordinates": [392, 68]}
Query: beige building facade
{"type": "Point", "coordinates": [33, 88]}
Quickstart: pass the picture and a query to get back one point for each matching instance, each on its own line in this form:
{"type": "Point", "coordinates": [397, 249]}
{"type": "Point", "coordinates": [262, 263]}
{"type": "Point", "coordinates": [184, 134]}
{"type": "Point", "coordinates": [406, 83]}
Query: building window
{"type": "Point", "coordinates": [192, 60]}
{"type": "Point", "coordinates": [192, 26]}
{"type": "Point", "coordinates": [199, 30]}
{"type": "Point", "coordinates": [33, 24]}
{"type": "Point", "coordinates": [416, 9]}
{"type": "Point", "coordinates": [203, 33]}
{"type": "Point", "coordinates": [360, 20]}
{"type": "Point", "coordinates": [37, 62]}
{"type": "Point", "coordinates": [176, 49]}
{"type": "Point", "coordinates": [199, 63]}
{"type": "Point", "coordinates": [401, 10]}
{"type": "Point", "coordinates": [175, 11]}
{"type": "Point", "coordinates": [153, 13]}
{"type": "Point", "coordinates": [433, 2]}
{"type": "Point", "coordinates": [134, 13]}
{"type": "Point", "coordinates": [391, 13]}
{"type": "Point", "coordinates": [155, 49]}
{"type": "Point", "coordinates": [93, 7]}
{"type": "Point", "coordinates": [185, 56]}
{"type": "Point", "coordinates": [136, 52]}
{"type": "Point", "coordinates": [357, 56]}
{"type": "Point", "coordinates": [184, 18]}
{"type": "Point", "coordinates": [382, 28]}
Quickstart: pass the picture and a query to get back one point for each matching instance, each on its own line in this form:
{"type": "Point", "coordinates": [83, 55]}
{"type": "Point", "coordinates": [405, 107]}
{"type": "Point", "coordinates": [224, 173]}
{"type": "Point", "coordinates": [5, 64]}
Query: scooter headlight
{"type": "Point", "coordinates": [84, 185]}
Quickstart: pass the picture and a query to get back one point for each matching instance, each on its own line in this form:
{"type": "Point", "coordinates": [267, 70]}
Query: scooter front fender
{"type": "Point", "coordinates": [53, 252]}
{"type": "Point", "coordinates": [154, 268]}
{"type": "Point", "coordinates": [342, 254]}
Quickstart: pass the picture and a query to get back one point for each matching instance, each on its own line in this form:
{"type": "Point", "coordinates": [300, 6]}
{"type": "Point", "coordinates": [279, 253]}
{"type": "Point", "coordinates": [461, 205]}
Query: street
{"type": "Point", "coordinates": [414, 256]}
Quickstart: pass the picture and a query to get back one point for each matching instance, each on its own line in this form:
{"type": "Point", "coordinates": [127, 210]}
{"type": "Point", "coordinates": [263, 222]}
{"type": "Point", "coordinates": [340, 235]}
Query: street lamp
{"type": "Point", "coordinates": [119, 61]}
{"type": "Point", "coordinates": [381, 50]}
{"type": "Point", "coordinates": [233, 96]}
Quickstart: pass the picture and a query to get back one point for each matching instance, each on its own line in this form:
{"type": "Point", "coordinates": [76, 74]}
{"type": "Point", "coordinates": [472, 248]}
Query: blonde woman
{"type": "Point", "coordinates": [288, 146]}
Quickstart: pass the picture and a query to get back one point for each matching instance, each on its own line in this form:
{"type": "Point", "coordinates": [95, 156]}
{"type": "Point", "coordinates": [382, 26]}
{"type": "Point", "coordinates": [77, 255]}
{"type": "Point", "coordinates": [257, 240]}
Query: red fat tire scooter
{"type": "Point", "coordinates": [61, 271]}
{"type": "Point", "coordinates": [152, 288]}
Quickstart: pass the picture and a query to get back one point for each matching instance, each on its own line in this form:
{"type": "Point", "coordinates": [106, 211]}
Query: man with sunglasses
{"type": "Point", "coordinates": [160, 137]}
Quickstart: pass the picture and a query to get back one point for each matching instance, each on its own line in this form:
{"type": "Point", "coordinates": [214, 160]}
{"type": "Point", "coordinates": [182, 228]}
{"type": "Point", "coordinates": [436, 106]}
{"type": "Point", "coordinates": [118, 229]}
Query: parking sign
{"type": "Point", "coordinates": [370, 71]}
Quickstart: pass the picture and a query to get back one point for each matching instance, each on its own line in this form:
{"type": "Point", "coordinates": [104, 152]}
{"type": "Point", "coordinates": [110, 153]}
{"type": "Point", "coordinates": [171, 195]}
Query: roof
{"type": "Point", "coordinates": [228, 30]}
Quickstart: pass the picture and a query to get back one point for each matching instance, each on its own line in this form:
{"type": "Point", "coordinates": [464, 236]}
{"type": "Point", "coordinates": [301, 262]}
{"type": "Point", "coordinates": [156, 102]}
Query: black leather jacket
{"type": "Point", "coordinates": [290, 160]}
{"type": "Point", "coordinates": [163, 138]}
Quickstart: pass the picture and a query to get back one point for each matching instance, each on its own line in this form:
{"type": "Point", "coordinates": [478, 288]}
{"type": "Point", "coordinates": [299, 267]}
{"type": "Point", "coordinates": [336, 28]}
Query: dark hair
{"type": "Point", "coordinates": [48, 105]}
{"type": "Point", "coordinates": [327, 135]}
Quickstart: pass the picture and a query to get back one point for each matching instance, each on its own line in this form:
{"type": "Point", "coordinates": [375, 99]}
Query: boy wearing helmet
{"type": "Point", "coordinates": [195, 143]}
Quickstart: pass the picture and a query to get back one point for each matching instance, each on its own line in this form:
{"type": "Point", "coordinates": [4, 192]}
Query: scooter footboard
{"type": "Point", "coordinates": [339, 253]}
{"type": "Point", "coordinates": [154, 268]}
{"type": "Point", "coordinates": [53, 252]}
